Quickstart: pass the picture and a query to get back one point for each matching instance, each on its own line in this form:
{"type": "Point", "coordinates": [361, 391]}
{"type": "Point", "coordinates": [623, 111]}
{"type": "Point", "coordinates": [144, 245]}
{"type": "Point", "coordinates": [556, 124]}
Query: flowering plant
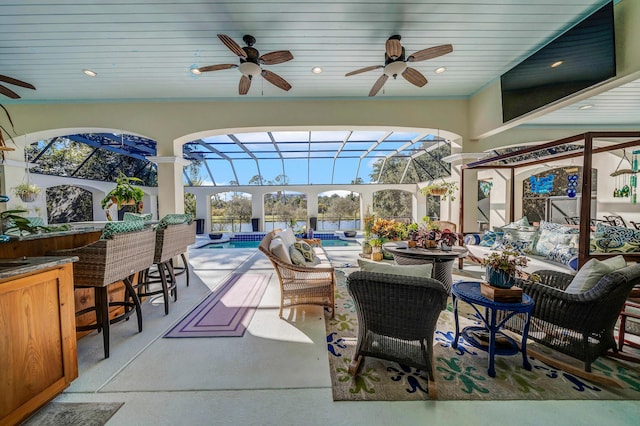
{"type": "Point", "coordinates": [508, 261]}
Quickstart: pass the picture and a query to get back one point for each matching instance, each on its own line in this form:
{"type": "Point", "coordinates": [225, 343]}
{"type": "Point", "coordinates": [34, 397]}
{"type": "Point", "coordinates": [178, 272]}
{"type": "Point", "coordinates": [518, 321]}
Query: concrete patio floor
{"type": "Point", "coordinates": [276, 374]}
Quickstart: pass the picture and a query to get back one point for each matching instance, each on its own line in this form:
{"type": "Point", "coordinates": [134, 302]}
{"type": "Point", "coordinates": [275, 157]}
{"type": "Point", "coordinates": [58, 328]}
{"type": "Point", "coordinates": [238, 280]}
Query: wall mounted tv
{"type": "Point", "coordinates": [587, 52]}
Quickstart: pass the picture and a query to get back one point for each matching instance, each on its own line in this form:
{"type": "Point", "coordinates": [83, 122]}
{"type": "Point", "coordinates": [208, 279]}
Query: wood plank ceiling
{"type": "Point", "coordinates": [144, 50]}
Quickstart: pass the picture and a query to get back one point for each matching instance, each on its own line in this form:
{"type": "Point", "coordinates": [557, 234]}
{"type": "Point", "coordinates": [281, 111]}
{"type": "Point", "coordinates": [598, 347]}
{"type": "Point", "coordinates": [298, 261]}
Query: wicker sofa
{"type": "Point", "coordinates": [310, 284]}
{"type": "Point", "coordinates": [550, 246]}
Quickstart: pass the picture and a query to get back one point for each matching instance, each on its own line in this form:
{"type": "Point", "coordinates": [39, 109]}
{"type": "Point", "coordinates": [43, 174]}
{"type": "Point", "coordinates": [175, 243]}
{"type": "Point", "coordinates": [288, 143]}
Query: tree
{"type": "Point", "coordinates": [343, 207]}
{"type": "Point", "coordinates": [256, 180]}
{"type": "Point", "coordinates": [239, 207]}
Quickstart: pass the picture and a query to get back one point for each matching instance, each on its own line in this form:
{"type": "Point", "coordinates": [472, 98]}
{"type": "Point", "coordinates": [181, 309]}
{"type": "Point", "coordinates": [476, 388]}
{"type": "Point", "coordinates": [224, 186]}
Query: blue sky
{"type": "Point", "coordinates": [308, 156]}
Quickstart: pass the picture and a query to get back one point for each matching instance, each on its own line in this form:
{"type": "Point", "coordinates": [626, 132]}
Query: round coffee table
{"type": "Point", "coordinates": [442, 259]}
{"type": "Point", "coordinates": [485, 337]}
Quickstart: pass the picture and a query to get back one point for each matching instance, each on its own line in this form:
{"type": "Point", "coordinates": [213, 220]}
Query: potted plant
{"type": "Point", "coordinates": [125, 193]}
{"type": "Point", "coordinates": [27, 191]}
{"type": "Point", "coordinates": [442, 189]}
{"type": "Point", "coordinates": [376, 248]}
{"type": "Point", "coordinates": [502, 267]}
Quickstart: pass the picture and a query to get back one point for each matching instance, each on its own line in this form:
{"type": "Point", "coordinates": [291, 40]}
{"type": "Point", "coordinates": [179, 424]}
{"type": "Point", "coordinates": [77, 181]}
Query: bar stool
{"type": "Point", "coordinates": [171, 241]}
{"type": "Point", "coordinates": [115, 258]}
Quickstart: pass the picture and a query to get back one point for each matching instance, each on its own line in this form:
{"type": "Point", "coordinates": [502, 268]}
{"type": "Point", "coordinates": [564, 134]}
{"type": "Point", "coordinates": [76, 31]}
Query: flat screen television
{"type": "Point", "coordinates": [587, 52]}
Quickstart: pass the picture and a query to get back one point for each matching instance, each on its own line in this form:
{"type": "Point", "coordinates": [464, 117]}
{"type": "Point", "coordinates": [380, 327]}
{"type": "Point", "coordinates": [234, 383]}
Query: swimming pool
{"type": "Point", "coordinates": [255, 244]}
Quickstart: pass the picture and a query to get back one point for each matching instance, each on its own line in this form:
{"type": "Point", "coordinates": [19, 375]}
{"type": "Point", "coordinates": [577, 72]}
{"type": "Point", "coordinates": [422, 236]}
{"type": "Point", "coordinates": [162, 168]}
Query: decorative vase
{"type": "Point", "coordinates": [411, 243]}
{"type": "Point", "coordinates": [498, 278]}
{"type": "Point", "coordinates": [431, 244]}
{"type": "Point", "coordinates": [376, 253]}
{"type": "Point", "coordinates": [366, 248]}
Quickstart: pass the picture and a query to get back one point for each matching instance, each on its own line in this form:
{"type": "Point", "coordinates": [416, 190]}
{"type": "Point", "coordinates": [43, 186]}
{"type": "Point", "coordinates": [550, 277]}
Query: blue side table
{"type": "Point", "coordinates": [469, 292]}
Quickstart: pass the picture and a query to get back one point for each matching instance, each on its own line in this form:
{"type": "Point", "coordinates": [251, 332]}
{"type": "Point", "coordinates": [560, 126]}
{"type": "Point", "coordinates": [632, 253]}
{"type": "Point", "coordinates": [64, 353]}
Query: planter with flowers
{"type": "Point", "coordinates": [444, 190]}
{"type": "Point", "coordinates": [28, 192]}
{"type": "Point", "coordinates": [376, 249]}
{"type": "Point", "coordinates": [503, 267]}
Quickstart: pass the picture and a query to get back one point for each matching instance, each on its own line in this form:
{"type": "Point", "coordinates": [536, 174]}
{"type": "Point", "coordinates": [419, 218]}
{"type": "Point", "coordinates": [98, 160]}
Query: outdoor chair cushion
{"type": "Point", "coordinates": [112, 228]}
{"type": "Point", "coordinates": [137, 216]}
{"type": "Point", "coordinates": [420, 271]}
{"type": "Point", "coordinates": [592, 271]}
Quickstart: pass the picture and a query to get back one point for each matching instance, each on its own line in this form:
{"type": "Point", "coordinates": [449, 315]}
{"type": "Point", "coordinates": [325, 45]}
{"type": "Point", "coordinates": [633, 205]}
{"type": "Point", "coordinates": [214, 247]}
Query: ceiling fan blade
{"type": "Point", "coordinates": [8, 92]}
{"type": "Point", "coordinates": [378, 84]}
{"type": "Point", "coordinates": [245, 84]}
{"type": "Point", "coordinates": [232, 45]}
{"type": "Point", "coordinates": [277, 57]}
{"type": "Point", "coordinates": [16, 82]}
{"type": "Point", "coordinates": [276, 80]}
{"type": "Point", "coordinates": [414, 77]}
{"type": "Point", "coordinates": [430, 53]}
{"type": "Point", "coordinates": [361, 70]}
{"type": "Point", "coordinates": [217, 67]}
{"type": "Point", "coordinates": [393, 48]}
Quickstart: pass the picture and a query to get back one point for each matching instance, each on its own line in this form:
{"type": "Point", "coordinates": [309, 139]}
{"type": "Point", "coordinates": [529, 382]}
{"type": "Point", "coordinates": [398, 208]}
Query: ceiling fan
{"type": "Point", "coordinates": [395, 63]}
{"type": "Point", "coordinates": [250, 63]}
{"type": "Point", "coordinates": [10, 93]}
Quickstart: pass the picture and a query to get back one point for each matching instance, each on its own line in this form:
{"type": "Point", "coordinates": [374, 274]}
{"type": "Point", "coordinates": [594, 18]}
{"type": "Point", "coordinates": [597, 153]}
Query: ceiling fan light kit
{"type": "Point", "coordinates": [251, 63]}
{"type": "Point", "coordinates": [395, 63]}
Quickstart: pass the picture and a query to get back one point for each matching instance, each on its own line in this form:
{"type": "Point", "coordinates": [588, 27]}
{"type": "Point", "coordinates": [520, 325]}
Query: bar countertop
{"type": "Point", "coordinates": [10, 268]}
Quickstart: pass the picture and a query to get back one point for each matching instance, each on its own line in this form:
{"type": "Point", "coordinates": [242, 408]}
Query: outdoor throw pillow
{"type": "Point", "coordinates": [113, 228]}
{"type": "Point", "coordinates": [296, 257]}
{"type": "Point", "coordinates": [490, 238]}
{"type": "Point", "coordinates": [306, 250]}
{"type": "Point", "coordinates": [591, 272]}
{"type": "Point", "coordinates": [279, 250]}
{"type": "Point", "coordinates": [174, 219]}
{"type": "Point", "coordinates": [522, 222]}
{"type": "Point", "coordinates": [405, 270]}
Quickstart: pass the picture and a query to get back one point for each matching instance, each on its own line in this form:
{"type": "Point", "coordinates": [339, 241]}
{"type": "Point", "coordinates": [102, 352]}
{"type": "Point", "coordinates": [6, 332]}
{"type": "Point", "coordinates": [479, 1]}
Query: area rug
{"type": "Point", "coordinates": [74, 414]}
{"type": "Point", "coordinates": [460, 374]}
{"type": "Point", "coordinates": [225, 312]}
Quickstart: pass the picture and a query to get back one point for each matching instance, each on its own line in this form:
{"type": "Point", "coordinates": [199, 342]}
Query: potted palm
{"type": "Point", "coordinates": [125, 193]}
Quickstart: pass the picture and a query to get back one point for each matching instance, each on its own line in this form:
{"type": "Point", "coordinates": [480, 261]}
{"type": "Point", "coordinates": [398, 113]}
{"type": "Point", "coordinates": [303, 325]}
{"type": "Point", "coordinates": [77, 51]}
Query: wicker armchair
{"type": "Point", "coordinates": [397, 319]}
{"type": "Point", "coordinates": [170, 242]}
{"type": "Point", "coordinates": [578, 325]}
{"type": "Point", "coordinates": [301, 285]}
{"type": "Point", "coordinates": [107, 262]}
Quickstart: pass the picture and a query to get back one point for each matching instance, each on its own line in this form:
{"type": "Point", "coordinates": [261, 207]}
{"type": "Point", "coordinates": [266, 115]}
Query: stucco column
{"type": "Point", "coordinates": [170, 185]}
{"type": "Point", "coordinates": [366, 200]}
{"type": "Point", "coordinates": [203, 205]}
{"type": "Point", "coordinates": [257, 207]}
{"type": "Point", "coordinates": [312, 206]}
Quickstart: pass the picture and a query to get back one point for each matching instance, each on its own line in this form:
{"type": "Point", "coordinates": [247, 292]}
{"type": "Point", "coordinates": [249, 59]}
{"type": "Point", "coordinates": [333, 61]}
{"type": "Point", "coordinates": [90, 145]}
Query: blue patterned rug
{"type": "Point", "coordinates": [461, 374]}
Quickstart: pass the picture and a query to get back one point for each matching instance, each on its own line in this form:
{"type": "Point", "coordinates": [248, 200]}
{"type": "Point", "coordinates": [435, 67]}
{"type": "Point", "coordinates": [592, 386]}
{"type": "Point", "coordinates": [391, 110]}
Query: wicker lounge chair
{"type": "Point", "coordinates": [302, 285]}
{"type": "Point", "coordinates": [578, 325]}
{"type": "Point", "coordinates": [170, 242]}
{"type": "Point", "coordinates": [397, 319]}
{"type": "Point", "coordinates": [106, 262]}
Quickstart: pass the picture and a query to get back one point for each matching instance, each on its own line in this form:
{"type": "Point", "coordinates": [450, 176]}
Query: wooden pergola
{"type": "Point", "coordinates": [587, 152]}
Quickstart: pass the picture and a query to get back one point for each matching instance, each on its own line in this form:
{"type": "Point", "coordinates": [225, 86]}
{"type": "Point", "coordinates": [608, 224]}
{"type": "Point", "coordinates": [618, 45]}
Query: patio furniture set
{"type": "Point", "coordinates": [574, 314]}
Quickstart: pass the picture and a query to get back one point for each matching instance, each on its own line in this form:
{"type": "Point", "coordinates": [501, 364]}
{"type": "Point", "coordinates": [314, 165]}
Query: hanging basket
{"type": "Point", "coordinates": [28, 197]}
{"type": "Point", "coordinates": [438, 191]}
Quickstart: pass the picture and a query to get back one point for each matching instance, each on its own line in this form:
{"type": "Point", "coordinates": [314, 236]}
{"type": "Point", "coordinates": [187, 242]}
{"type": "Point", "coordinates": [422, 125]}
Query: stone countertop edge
{"type": "Point", "coordinates": [32, 264]}
{"type": "Point", "coordinates": [41, 235]}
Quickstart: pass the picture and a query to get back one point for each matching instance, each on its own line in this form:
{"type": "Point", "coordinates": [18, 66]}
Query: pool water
{"type": "Point", "coordinates": [255, 244]}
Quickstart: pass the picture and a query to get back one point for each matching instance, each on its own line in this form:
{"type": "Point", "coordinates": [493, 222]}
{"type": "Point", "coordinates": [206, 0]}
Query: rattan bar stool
{"type": "Point", "coordinates": [171, 241]}
{"type": "Point", "coordinates": [107, 262]}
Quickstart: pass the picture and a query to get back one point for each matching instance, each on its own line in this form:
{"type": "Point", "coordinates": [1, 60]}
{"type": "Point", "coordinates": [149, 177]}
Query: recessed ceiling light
{"type": "Point", "coordinates": [440, 70]}
{"type": "Point", "coordinates": [556, 64]}
{"type": "Point", "coordinates": [316, 70]}
{"type": "Point", "coordinates": [195, 71]}
{"type": "Point", "coordinates": [586, 106]}
{"type": "Point", "coordinates": [90, 73]}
